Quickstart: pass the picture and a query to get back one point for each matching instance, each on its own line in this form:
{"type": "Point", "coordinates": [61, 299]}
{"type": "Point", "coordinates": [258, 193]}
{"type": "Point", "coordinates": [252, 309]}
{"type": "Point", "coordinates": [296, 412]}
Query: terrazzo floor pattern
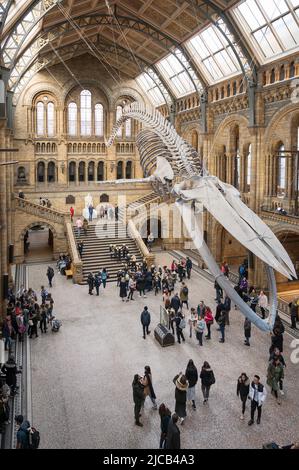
{"type": "Point", "coordinates": [82, 376]}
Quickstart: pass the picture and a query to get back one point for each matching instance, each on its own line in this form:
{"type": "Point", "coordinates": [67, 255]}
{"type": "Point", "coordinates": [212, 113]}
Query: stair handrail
{"type": "Point", "coordinates": [43, 210]}
{"type": "Point", "coordinates": [76, 260]}
{"type": "Point", "coordinates": [133, 232]}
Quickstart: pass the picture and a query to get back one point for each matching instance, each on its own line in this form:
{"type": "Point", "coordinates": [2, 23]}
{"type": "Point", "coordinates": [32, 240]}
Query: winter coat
{"type": "Point", "coordinates": [207, 376]}
{"type": "Point", "coordinates": [123, 289]}
{"type": "Point", "coordinates": [208, 317]}
{"type": "Point", "coordinates": [227, 304]}
{"type": "Point", "coordinates": [200, 327]}
{"type": "Point", "coordinates": [145, 318]}
{"type": "Point", "coordinates": [164, 423]}
{"type": "Point", "coordinates": [221, 320]}
{"type": "Point", "coordinates": [173, 440]}
{"type": "Point", "coordinates": [263, 301]}
{"type": "Point", "coordinates": [262, 393]}
{"type": "Point", "coordinates": [138, 393]}
{"type": "Point", "coordinates": [180, 395]}
{"type": "Point", "coordinates": [243, 388]}
{"type": "Point", "coordinates": [10, 370]}
{"type": "Point", "coordinates": [175, 303]}
{"type": "Point", "coordinates": [189, 264]}
{"type": "Point", "coordinates": [275, 373]}
{"type": "Point", "coordinates": [184, 294]}
{"type": "Point", "coordinates": [277, 356]}
{"type": "Point", "coordinates": [192, 376]}
{"type": "Point", "coordinates": [247, 328]}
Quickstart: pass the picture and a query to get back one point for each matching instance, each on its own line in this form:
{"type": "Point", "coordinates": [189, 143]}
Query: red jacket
{"type": "Point", "coordinates": [72, 211]}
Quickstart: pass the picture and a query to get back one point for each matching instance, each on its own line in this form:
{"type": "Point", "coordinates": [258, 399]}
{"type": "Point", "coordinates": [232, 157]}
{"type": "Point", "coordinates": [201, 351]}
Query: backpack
{"type": "Point", "coordinates": [185, 291]}
{"type": "Point", "coordinates": [34, 438]}
{"type": "Point", "coordinates": [212, 378]}
{"type": "Point", "coordinates": [182, 324]}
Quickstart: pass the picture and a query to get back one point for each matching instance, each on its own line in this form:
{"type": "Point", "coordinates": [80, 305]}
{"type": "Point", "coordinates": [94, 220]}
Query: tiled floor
{"type": "Point", "coordinates": [82, 376]}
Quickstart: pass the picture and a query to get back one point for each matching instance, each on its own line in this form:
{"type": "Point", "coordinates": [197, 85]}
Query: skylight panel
{"type": "Point", "coordinates": [176, 76]}
{"type": "Point", "coordinates": [151, 89]}
{"type": "Point", "coordinates": [212, 53]}
{"type": "Point", "coordinates": [272, 26]}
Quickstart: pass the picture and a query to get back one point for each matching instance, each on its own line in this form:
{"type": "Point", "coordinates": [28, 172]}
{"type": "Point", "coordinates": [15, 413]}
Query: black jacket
{"type": "Point", "coordinates": [173, 440]}
{"type": "Point", "coordinates": [243, 388]}
{"type": "Point", "coordinates": [207, 376]}
{"type": "Point", "coordinates": [164, 423]}
{"type": "Point", "coordinates": [192, 376]}
{"type": "Point", "coordinates": [145, 317]}
{"type": "Point", "coordinates": [138, 393]}
{"type": "Point", "coordinates": [175, 302]}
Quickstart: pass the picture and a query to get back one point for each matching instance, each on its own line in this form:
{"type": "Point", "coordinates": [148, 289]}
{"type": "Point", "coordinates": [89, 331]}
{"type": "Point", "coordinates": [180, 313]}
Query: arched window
{"type": "Point", "coordinates": [119, 173]}
{"type": "Point", "coordinates": [21, 174]}
{"type": "Point", "coordinates": [85, 112]}
{"type": "Point", "coordinates": [81, 171]}
{"type": "Point", "coordinates": [51, 172]}
{"type": "Point", "coordinates": [241, 86]}
{"type": "Point", "coordinates": [217, 94]}
{"type": "Point", "coordinates": [292, 70]}
{"type": "Point", "coordinates": [234, 88]}
{"type": "Point", "coordinates": [248, 175]}
{"type": "Point", "coordinates": [129, 170]}
{"type": "Point", "coordinates": [222, 92]}
{"type": "Point", "coordinates": [119, 112]}
{"type": "Point", "coordinates": [272, 76]}
{"type": "Point", "coordinates": [72, 119]}
{"type": "Point", "coordinates": [282, 73]}
{"type": "Point", "coordinates": [40, 118]}
{"type": "Point", "coordinates": [237, 162]}
{"type": "Point", "coordinates": [128, 128]}
{"type": "Point", "coordinates": [72, 171]}
{"type": "Point", "coordinates": [90, 175]}
{"type": "Point", "coordinates": [228, 90]}
{"type": "Point", "coordinates": [99, 120]}
{"type": "Point", "coordinates": [281, 171]}
{"type": "Point", "coordinates": [100, 171]}
{"type": "Point", "coordinates": [50, 119]}
{"type": "Point", "coordinates": [41, 172]}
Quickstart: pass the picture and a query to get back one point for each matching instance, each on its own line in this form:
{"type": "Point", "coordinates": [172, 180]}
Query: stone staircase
{"type": "Point", "coordinates": [96, 254]}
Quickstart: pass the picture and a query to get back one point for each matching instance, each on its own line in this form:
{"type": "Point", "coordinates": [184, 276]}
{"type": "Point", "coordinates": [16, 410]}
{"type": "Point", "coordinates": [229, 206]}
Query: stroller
{"type": "Point", "coordinates": [55, 324]}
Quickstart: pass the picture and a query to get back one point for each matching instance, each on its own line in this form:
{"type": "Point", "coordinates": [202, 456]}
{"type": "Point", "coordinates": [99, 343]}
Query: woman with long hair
{"type": "Point", "coordinates": [192, 377]}
{"type": "Point", "coordinates": [165, 416]}
{"type": "Point", "coordinates": [207, 379]}
{"type": "Point", "coordinates": [148, 386]}
{"type": "Point", "coordinates": [243, 391]}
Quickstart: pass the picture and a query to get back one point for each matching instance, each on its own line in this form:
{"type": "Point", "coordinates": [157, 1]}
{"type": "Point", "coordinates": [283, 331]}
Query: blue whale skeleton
{"type": "Point", "coordinates": [167, 158]}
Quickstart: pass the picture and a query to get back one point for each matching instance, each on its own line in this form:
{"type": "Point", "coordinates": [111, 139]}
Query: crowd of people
{"type": "Point", "coordinates": [185, 395]}
{"type": "Point", "coordinates": [24, 314]}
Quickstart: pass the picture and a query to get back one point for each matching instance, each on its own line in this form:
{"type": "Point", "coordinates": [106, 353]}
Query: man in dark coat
{"type": "Point", "coordinates": [173, 439]}
{"type": "Point", "coordinates": [50, 275]}
{"type": "Point", "coordinates": [293, 311]}
{"type": "Point", "coordinates": [97, 282]}
{"type": "Point", "coordinates": [188, 267]}
{"type": "Point", "coordinates": [247, 331]}
{"type": "Point", "coordinates": [145, 319]}
{"type": "Point", "coordinates": [80, 248]}
{"type": "Point", "coordinates": [175, 303]}
{"type": "Point", "coordinates": [90, 282]}
{"type": "Point", "coordinates": [138, 397]}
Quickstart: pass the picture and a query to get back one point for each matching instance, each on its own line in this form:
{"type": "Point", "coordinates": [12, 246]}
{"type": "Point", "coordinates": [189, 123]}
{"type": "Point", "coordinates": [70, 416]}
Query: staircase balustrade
{"type": "Point", "coordinates": [76, 261]}
{"type": "Point", "coordinates": [40, 211]}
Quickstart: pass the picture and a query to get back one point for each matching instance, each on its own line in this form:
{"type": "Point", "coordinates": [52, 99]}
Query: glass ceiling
{"type": "Point", "coordinates": [272, 25]}
{"type": "Point", "coordinates": [147, 84]}
{"type": "Point", "coordinates": [213, 54]}
{"type": "Point", "coordinates": [176, 76]}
